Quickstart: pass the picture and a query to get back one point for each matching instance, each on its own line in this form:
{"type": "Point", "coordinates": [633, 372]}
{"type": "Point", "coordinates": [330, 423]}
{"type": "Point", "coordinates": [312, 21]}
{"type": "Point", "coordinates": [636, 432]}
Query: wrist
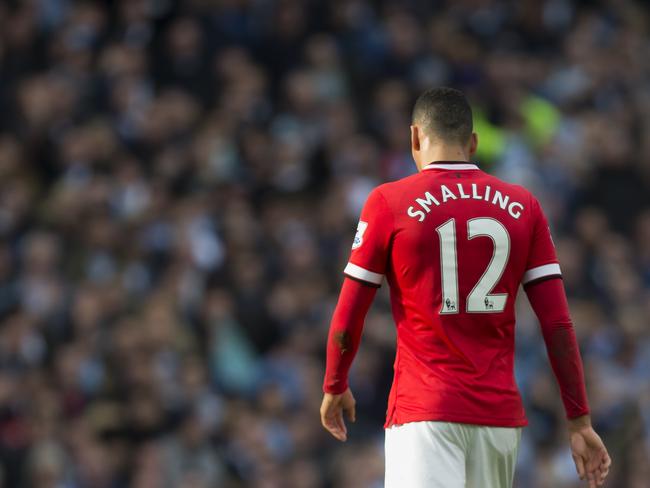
{"type": "Point", "coordinates": [335, 389]}
{"type": "Point", "coordinates": [579, 423]}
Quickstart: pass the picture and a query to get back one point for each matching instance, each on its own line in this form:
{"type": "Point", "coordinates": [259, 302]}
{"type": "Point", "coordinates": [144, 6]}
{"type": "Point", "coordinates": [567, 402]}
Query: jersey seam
{"type": "Point", "coordinates": [389, 243]}
{"type": "Point", "coordinates": [533, 220]}
{"type": "Point", "coordinates": [390, 211]}
{"type": "Point", "coordinates": [393, 412]}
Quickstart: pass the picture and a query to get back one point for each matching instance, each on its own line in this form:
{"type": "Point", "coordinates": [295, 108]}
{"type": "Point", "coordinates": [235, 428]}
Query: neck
{"type": "Point", "coordinates": [443, 153]}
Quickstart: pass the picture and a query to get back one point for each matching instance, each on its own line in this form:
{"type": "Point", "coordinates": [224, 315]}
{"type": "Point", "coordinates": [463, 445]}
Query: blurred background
{"type": "Point", "coordinates": [179, 189]}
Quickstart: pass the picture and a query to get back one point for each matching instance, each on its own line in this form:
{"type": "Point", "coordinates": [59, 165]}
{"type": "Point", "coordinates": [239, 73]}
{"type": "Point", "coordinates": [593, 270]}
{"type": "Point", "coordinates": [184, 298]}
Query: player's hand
{"type": "Point", "coordinates": [331, 413]}
{"type": "Point", "coordinates": [588, 451]}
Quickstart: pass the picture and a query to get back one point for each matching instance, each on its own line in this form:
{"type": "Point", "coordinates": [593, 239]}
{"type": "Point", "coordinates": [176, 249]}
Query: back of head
{"type": "Point", "coordinates": [444, 114]}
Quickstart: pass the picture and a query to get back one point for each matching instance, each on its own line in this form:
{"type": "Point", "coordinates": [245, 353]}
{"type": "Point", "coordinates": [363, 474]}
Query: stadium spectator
{"type": "Point", "coordinates": [176, 183]}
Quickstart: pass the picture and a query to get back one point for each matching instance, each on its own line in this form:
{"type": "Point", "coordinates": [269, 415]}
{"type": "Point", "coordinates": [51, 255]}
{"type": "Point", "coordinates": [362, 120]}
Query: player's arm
{"type": "Point", "coordinates": [549, 302]}
{"type": "Point", "coordinates": [364, 274]}
{"type": "Point", "coordinates": [342, 345]}
{"type": "Point", "coordinates": [545, 289]}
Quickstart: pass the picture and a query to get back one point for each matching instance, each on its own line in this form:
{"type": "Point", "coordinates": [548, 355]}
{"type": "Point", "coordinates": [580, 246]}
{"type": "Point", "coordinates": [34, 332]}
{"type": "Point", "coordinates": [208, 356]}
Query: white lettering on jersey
{"type": "Point", "coordinates": [426, 203]}
{"type": "Point", "coordinates": [515, 215]}
{"type": "Point", "coordinates": [463, 195]}
{"type": "Point", "coordinates": [499, 199]}
{"type": "Point", "coordinates": [446, 194]}
{"type": "Point", "coordinates": [416, 213]}
{"type": "Point", "coordinates": [475, 195]}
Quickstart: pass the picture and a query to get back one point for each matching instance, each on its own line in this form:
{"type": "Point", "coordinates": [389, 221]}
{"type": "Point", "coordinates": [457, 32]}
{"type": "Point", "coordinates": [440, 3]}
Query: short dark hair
{"type": "Point", "coordinates": [444, 113]}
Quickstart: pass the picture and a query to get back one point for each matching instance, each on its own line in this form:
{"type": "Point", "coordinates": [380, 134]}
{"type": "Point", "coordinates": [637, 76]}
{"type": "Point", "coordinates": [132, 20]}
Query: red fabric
{"type": "Point", "coordinates": [454, 362]}
{"type": "Point", "coordinates": [541, 249]}
{"type": "Point", "coordinates": [548, 300]}
{"type": "Point", "coordinates": [345, 333]}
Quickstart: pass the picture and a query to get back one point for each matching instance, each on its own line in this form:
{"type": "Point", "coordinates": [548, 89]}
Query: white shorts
{"type": "Point", "coordinates": [450, 455]}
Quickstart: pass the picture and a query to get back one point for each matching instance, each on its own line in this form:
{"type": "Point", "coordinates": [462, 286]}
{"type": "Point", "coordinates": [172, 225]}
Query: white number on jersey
{"type": "Point", "coordinates": [479, 300]}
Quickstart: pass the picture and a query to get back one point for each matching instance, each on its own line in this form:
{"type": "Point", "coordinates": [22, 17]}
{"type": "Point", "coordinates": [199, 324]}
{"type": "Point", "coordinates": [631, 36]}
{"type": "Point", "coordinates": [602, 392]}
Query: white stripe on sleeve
{"type": "Point", "coordinates": [363, 274]}
{"type": "Point", "coordinates": [541, 272]}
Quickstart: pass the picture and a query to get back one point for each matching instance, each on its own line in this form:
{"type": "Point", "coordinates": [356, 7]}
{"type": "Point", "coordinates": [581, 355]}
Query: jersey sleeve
{"type": "Point", "coordinates": [369, 254]}
{"type": "Point", "coordinates": [549, 302]}
{"type": "Point", "coordinates": [345, 334]}
{"type": "Point", "coordinates": [542, 260]}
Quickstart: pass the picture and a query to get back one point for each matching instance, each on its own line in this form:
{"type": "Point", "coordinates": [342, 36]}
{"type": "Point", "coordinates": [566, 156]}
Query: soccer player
{"type": "Point", "coordinates": [454, 244]}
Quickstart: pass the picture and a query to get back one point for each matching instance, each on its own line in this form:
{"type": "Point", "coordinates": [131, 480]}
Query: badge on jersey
{"type": "Point", "coordinates": [358, 238]}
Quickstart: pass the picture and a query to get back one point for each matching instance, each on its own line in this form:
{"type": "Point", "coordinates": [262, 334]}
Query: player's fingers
{"type": "Point", "coordinates": [604, 468]}
{"type": "Point", "coordinates": [325, 411]}
{"type": "Point", "coordinates": [323, 420]}
{"type": "Point", "coordinates": [593, 462]}
{"type": "Point", "coordinates": [351, 413]}
{"type": "Point", "coordinates": [595, 470]}
{"type": "Point", "coordinates": [339, 419]}
{"type": "Point", "coordinates": [330, 423]}
{"type": "Point", "coordinates": [580, 466]}
{"type": "Point", "coordinates": [334, 429]}
{"type": "Point", "coordinates": [327, 421]}
{"type": "Point", "coordinates": [590, 474]}
{"type": "Point", "coordinates": [606, 460]}
{"type": "Point", "coordinates": [591, 477]}
{"type": "Point", "coordinates": [341, 424]}
{"type": "Point", "coordinates": [337, 434]}
{"type": "Point", "coordinates": [603, 474]}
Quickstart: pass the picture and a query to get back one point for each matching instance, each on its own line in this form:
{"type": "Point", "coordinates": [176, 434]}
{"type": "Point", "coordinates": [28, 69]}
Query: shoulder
{"type": "Point", "coordinates": [522, 193]}
{"type": "Point", "coordinates": [386, 198]}
{"type": "Point", "coordinates": [393, 190]}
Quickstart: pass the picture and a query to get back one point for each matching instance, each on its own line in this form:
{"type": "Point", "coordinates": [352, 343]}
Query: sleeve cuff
{"type": "Point", "coordinates": [539, 272]}
{"type": "Point", "coordinates": [335, 389]}
{"type": "Point", "coordinates": [577, 413]}
{"type": "Point", "coordinates": [362, 274]}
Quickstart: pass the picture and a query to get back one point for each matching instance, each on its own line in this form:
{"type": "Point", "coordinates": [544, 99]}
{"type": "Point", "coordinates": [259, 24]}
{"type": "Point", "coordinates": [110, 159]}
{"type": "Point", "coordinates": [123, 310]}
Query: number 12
{"type": "Point", "coordinates": [479, 300]}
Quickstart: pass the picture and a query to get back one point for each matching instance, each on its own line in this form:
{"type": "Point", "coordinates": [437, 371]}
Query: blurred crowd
{"type": "Point", "coordinates": [179, 189]}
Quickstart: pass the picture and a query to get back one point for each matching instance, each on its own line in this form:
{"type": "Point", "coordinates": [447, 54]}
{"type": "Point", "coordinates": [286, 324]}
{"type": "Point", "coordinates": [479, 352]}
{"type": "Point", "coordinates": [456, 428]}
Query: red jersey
{"type": "Point", "coordinates": [454, 244]}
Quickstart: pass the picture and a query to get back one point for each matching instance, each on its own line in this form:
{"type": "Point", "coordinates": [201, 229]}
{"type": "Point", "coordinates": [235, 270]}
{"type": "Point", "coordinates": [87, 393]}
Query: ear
{"type": "Point", "coordinates": [415, 146]}
{"type": "Point", "coordinates": [415, 138]}
{"type": "Point", "coordinates": [473, 143]}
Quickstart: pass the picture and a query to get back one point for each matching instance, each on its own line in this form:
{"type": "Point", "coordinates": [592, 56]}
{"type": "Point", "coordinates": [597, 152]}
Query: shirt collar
{"type": "Point", "coordinates": [450, 165]}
